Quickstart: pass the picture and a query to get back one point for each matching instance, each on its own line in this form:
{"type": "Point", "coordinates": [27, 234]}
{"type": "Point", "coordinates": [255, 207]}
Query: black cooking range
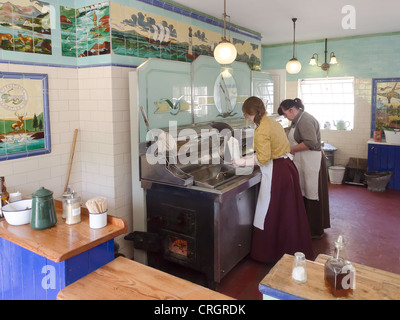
{"type": "Point", "coordinates": [199, 216]}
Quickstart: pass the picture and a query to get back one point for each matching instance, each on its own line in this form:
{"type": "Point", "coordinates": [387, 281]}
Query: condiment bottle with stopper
{"type": "Point", "coordinates": [73, 208]}
{"type": "Point", "coordinates": [339, 273]}
{"type": "Point", "coordinates": [4, 195]}
{"type": "Point", "coordinates": [66, 195]}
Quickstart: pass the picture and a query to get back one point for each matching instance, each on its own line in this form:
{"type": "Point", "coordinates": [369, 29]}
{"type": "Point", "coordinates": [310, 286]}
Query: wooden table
{"type": "Point", "coordinates": [37, 264]}
{"type": "Point", "coordinates": [124, 279]}
{"type": "Point", "coordinates": [371, 283]}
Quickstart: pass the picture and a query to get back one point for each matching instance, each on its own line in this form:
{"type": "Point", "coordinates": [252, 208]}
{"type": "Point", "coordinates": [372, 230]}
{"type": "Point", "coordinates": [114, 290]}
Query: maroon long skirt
{"type": "Point", "coordinates": [286, 228]}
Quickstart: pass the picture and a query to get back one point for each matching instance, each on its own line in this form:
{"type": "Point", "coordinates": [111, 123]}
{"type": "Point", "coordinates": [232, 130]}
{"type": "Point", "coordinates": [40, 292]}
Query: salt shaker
{"type": "Point", "coordinates": [299, 271]}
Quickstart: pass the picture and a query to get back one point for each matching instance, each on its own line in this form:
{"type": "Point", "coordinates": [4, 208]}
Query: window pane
{"type": "Point", "coordinates": [329, 100]}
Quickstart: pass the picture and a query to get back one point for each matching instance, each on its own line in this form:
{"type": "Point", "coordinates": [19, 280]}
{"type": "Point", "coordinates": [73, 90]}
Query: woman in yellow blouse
{"type": "Point", "coordinates": [280, 221]}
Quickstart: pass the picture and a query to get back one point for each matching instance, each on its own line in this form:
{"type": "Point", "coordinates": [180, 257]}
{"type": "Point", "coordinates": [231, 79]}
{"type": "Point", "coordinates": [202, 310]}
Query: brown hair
{"type": "Point", "coordinates": [254, 106]}
{"type": "Point", "coordinates": [289, 103]}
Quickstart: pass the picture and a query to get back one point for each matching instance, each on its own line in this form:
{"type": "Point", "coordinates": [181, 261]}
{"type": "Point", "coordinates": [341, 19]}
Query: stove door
{"type": "Point", "coordinates": [179, 248]}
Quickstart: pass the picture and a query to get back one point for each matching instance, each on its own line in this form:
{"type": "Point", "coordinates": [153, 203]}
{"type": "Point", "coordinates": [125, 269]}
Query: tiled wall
{"type": "Point", "coordinates": [90, 94]}
{"type": "Point", "coordinates": [105, 145]}
{"type": "Point", "coordinates": [375, 56]}
{"type": "Point", "coordinates": [96, 102]}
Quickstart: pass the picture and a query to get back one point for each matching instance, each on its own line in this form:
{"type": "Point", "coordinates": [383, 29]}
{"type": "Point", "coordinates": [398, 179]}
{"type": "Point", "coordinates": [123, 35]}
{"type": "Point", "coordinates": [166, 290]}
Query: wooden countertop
{"type": "Point", "coordinates": [371, 283]}
{"type": "Point", "coordinates": [124, 279]}
{"type": "Point", "coordinates": [62, 241]}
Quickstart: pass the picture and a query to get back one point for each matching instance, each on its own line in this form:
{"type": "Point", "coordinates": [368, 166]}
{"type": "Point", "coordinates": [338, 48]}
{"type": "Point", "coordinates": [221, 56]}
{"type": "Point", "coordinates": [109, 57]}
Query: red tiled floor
{"type": "Point", "coordinates": [368, 220]}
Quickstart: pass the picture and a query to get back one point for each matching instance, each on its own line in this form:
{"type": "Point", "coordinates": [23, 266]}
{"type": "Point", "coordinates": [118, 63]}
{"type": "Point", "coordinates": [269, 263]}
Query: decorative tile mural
{"type": "Point", "coordinates": [385, 103]}
{"type": "Point", "coordinates": [24, 115]}
{"type": "Point", "coordinates": [85, 31]}
{"type": "Point", "coordinates": [108, 27]}
{"type": "Point", "coordinates": [25, 26]}
{"type": "Point", "coordinates": [143, 34]}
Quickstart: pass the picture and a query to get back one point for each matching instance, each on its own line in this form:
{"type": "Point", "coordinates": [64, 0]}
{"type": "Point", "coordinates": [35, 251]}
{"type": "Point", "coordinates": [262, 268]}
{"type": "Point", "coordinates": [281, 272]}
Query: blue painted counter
{"type": "Point", "coordinates": [37, 264]}
{"type": "Point", "coordinates": [385, 157]}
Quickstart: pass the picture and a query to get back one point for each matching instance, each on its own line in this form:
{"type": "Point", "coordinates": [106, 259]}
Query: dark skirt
{"type": "Point", "coordinates": [318, 210]}
{"type": "Point", "coordinates": [286, 227]}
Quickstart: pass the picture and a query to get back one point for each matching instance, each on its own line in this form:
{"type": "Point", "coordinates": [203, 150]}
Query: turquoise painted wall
{"type": "Point", "coordinates": [373, 56]}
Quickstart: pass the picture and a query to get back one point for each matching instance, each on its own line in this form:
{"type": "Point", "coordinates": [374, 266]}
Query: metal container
{"type": "Point", "coordinates": [66, 195]}
{"type": "Point", "coordinates": [73, 209]}
{"type": "Point", "coordinates": [43, 209]}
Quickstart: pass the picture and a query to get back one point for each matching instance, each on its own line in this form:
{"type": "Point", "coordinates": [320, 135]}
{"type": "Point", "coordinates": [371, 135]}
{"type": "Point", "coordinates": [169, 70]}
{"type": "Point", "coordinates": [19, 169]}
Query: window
{"type": "Point", "coordinates": [329, 100]}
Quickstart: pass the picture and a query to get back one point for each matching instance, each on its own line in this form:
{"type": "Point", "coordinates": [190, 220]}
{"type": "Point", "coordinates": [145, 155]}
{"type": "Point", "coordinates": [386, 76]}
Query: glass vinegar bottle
{"type": "Point", "coordinates": [339, 273]}
{"type": "Point", "coordinates": [4, 195]}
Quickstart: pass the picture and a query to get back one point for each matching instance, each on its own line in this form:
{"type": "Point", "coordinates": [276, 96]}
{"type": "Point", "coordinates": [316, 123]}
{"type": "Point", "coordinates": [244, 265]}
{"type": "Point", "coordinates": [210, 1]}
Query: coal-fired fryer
{"type": "Point", "coordinates": [200, 212]}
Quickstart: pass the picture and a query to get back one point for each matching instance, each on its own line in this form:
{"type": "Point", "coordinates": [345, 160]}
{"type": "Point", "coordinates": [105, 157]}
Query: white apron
{"type": "Point", "coordinates": [308, 164]}
{"type": "Point", "coordinates": [264, 195]}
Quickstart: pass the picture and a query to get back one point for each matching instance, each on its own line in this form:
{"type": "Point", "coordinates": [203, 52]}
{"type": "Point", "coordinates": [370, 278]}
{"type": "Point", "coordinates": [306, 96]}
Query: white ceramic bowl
{"type": "Point", "coordinates": [18, 212]}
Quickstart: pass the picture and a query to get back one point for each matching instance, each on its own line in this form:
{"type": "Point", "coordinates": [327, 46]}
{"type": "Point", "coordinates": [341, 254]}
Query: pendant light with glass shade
{"type": "Point", "coordinates": [225, 52]}
{"type": "Point", "coordinates": [294, 65]}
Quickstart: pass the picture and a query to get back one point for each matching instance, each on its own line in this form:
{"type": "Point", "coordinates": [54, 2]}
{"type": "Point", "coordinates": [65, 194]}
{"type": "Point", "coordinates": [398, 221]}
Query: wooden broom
{"type": "Point", "coordinates": [71, 158]}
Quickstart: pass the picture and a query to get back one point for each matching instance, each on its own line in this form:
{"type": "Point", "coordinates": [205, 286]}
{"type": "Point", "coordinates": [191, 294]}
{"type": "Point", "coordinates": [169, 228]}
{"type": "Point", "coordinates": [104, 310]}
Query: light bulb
{"type": "Point", "coordinates": [293, 66]}
{"type": "Point", "coordinates": [225, 52]}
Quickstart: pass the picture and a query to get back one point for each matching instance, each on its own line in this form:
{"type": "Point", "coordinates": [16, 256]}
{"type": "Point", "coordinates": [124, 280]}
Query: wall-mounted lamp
{"type": "Point", "coordinates": [325, 66]}
{"type": "Point", "coordinates": [225, 52]}
{"type": "Point", "coordinates": [294, 65]}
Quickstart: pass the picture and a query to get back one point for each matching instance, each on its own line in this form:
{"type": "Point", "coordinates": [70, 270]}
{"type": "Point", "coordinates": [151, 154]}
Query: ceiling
{"type": "Point", "coordinates": [316, 19]}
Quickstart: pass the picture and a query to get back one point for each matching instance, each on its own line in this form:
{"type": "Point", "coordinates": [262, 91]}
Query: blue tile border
{"type": "Point", "coordinates": [69, 66]}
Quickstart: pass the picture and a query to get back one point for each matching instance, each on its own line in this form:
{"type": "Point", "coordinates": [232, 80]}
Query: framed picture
{"type": "Point", "coordinates": [385, 104]}
{"type": "Point", "coordinates": [24, 115]}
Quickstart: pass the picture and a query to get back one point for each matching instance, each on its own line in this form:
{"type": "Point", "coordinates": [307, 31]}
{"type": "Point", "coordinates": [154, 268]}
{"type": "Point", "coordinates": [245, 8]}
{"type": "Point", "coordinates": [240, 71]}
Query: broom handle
{"type": "Point", "coordinates": [71, 157]}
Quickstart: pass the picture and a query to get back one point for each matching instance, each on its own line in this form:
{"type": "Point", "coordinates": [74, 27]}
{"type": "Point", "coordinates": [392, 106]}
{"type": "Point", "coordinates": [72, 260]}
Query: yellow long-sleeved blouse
{"type": "Point", "coordinates": [270, 140]}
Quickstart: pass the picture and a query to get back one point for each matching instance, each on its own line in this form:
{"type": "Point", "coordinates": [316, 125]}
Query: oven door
{"type": "Point", "coordinates": [178, 248]}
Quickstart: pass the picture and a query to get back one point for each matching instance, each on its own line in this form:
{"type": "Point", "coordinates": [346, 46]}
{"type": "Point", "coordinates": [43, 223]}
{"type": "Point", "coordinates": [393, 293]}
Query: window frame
{"type": "Point", "coordinates": [340, 92]}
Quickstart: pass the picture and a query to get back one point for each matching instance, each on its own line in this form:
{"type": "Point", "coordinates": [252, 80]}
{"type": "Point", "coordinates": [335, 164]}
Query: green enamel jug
{"type": "Point", "coordinates": [43, 209]}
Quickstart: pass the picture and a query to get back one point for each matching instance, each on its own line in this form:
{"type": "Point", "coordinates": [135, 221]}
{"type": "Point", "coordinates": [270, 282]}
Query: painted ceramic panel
{"type": "Point", "coordinates": [386, 103]}
{"type": "Point", "coordinates": [24, 115]}
{"type": "Point", "coordinates": [142, 34]}
{"type": "Point", "coordinates": [25, 26]}
{"type": "Point", "coordinates": [85, 31]}
{"type": "Point", "coordinates": [68, 31]}
{"type": "Point", "coordinates": [166, 88]}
